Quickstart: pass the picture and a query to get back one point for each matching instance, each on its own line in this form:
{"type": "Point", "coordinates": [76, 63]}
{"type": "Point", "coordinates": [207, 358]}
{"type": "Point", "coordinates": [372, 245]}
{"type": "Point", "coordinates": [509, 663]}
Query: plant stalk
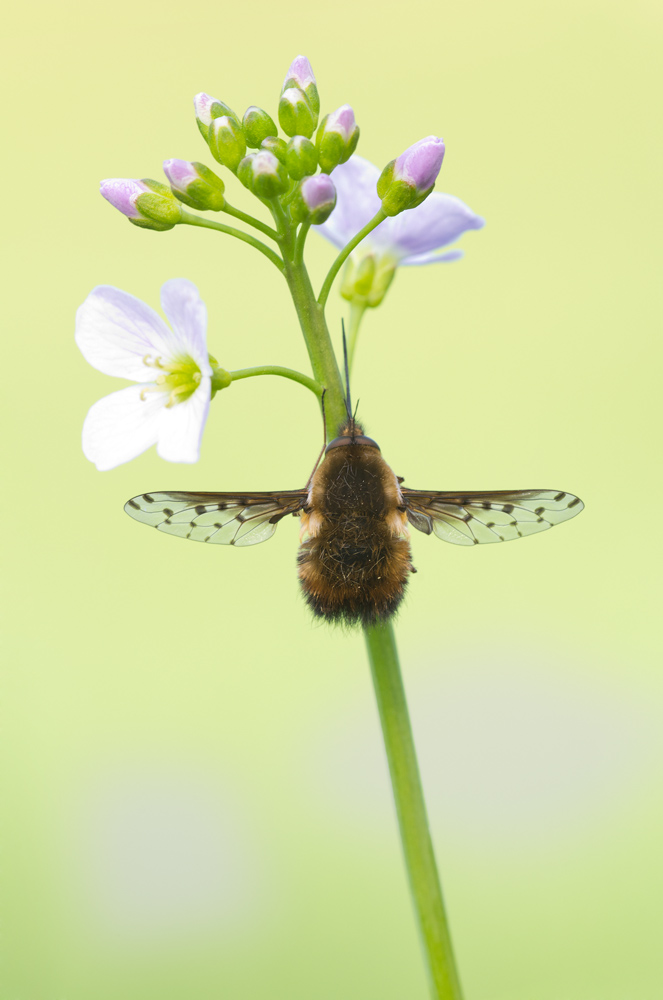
{"type": "Point", "coordinates": [411, 811]}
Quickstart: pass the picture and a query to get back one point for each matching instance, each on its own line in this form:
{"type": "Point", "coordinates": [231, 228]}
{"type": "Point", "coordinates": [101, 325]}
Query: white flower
{"type": "Point", "coordinates": [412, 237]}
{"type": "Point", "coordinates": [120, 335]}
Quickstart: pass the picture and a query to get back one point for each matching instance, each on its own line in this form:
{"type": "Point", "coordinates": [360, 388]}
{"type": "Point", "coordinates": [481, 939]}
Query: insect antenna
{"type": "Point", "coordinates": [348, 402]}
{"type": "Point", "coordinates": [324, 439]}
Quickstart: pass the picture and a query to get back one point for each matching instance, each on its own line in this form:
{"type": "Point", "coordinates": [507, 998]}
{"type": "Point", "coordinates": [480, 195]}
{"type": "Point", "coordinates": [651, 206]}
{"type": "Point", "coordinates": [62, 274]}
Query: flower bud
{"type": "Point", "coordinates": [257, 125]}
{"type": "Point", "coordinates": [337, 138]}
{"type": "Point", "coordinates": [300, 75]}
{"type": "Point", "coordinates": [314, 200]}
{"type": "Point", "coordinates": [405, 182]}
{"type": "Point", "coordinates": [296, 115]}
{"type": "Point", "coordinates": [207, 109]}
{"type": "Point", "coordinates": [276, 146]}
{"type": "Point", "coordinates": [301, 158]}
{"type": "Point", "coordinates": [146, 203]}
{"type": "Point", "coordinates": [263, 174]}
{"type": "Point", "coordinates": [367, 280]}
{"type": "Point", "coordinates": [195, 184]}
{"type": "Point", "coordinates": [226, 141]}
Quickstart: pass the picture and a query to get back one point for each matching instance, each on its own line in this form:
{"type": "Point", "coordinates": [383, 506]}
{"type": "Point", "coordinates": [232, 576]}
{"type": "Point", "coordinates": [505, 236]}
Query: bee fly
{"type": "Point", "coordinates": [354, 558]}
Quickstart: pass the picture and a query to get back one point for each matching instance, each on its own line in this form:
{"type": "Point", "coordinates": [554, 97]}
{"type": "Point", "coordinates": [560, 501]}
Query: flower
{"type": "Point", "coordinates": [120, 335]}
{"type": "Point", "coordinates": [415, 237]}
{"type": "Point", "coordinates": [407, 181]}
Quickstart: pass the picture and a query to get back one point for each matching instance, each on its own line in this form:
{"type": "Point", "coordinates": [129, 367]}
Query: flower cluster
{"type": "Point", "coordinates": [309, 175]}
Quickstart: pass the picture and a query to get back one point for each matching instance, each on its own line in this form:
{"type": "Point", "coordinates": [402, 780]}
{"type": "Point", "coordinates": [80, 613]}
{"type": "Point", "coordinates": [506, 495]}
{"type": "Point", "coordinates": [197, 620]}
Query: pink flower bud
{"type": "Point", "coordinates": [122, 193]}
{"type": "Point", "coordinates": [420, 164]}
{"type": "Point", "coordinates": [202, 104]}
{"type": "Point", "coordinates": [180, 173]}
{"type": "Point", "coordinates": [299, 75]}
{"type": "Point", "coordinates": [315, 199]}
{"type": "Point", "coordinates": [342, 121]}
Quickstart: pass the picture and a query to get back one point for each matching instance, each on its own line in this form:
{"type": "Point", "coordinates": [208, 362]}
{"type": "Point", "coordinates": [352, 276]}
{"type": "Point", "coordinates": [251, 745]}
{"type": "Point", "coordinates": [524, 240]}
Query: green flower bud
{"type": "Point", "coordinates": [301, 75]}
{"type": "Point", "coordinates": [301, 157]}
{"type": "Point", "coordinates": [226, 141]}
{"type": "Point", "coordinates": [207, 109]}
{"type": "Point", "coordinates": [337, 138]}
{"type": "Point", "coordinates": [195, 185]}
{"type": "Point", "coordinates": [407, 181]}
{"type": "Point", "coordinates": [276, 146]}
{"type": "Point", "coordinates": [367, 279]}
{"type": "Point", "coordinates": [296, 115]}
{"type": "Point", "coordinates": [257, 125]}
{"type": "Point", "coordinates": [263, 174]}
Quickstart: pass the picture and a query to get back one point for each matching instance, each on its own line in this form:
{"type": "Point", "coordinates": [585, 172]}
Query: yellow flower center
{"type": "Point", "coordinates": [179, 377]}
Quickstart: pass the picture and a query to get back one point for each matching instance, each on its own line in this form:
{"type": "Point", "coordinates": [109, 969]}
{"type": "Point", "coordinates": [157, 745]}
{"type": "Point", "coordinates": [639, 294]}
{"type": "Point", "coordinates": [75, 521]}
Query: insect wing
{"type": "Point", "coordinates": [474, 518]}
{"type": "Point", "coordinates": [220, 518]}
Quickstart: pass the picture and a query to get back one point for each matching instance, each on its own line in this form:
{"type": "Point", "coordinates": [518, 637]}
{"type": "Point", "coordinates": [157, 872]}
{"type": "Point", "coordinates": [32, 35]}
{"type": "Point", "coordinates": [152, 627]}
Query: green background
{"type": "Point", "coordinates": [195, 802]}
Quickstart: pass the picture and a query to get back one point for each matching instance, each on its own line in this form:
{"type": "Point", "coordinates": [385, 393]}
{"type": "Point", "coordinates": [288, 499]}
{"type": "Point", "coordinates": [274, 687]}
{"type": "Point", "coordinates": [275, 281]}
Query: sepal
{"type": "Point", "coordinates": [278, 147]}
{"type": "Point", "coordinates": [301, 158]}
{"type": "Point", "coordinates": [257, 125]}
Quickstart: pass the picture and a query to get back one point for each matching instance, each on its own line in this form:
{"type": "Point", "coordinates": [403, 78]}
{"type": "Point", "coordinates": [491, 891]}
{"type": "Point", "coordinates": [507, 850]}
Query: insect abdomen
{"type": "Point", "coordinates": [354, 567]}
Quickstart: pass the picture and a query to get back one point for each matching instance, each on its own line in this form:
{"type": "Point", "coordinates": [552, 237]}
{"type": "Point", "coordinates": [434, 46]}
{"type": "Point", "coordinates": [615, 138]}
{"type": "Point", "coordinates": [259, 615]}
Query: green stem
{"type": "Point", "coordinates": [411, 810]}
{"type": "Point", "coordinates": [250, 221]}
{"type": "Point", "coordinates": [284, 372]}
{"type": "Point", "coordinates": [197, 220]}
{"type": "Point", "coordinates": [300, 241]}
{"type": "Point", "coordinates": [318, 342]}
{"type": "Point", "coordinates": [357, 310]}
{"type": "Point", "coordinates": [345, 253]}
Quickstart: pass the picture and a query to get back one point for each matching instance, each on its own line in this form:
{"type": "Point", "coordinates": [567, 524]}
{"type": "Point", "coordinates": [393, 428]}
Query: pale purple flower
{"type": "Point", "coordinates": [122, 193]}
{"type": "Point", "coordinates": [122, 336]}
{"type": "Point", "coordinates": [413, 237]}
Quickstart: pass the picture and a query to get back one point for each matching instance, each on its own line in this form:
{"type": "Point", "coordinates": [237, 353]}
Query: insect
{"type": "Point", "coordinates": [354, 558]}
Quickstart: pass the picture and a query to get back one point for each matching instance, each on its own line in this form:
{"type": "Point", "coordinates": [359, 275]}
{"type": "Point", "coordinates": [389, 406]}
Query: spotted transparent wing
{"type": "Point", "coordinates": [220, 518]}
{"type": "Point", "coordinates": [473, 518]}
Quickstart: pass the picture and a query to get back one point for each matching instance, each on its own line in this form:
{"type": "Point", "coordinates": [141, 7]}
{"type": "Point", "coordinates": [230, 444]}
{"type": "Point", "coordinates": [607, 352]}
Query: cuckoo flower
{"type": "Point", "coordinates": [120, 335]}
{"type": "Point", "coordinates": [413, 237]}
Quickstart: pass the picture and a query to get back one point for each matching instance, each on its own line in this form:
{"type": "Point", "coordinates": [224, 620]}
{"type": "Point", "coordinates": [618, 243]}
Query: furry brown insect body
{"type": "Point", "coordinates": [354, 559]}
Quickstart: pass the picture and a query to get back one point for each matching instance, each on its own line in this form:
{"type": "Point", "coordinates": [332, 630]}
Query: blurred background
{"type": "Point", "coordinates": [195, 800]}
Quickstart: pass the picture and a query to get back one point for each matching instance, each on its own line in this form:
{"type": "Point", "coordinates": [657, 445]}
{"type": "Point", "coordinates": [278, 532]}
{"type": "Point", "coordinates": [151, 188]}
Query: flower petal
{"type": "Point", "coordinates": [121, 426]}
{"type": "Point", "coordinates": [439, 220]}
{"type": "Point", "coordinates": [433, 258]}
{"type": "Point", "coordinates": [187, 315]}
{"type": "Point", "coordinates": [182, 426]}
{"type": "Point", "coordinates": [356, 201]}
{"type": "Point", "coordinates": [115, 331]}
